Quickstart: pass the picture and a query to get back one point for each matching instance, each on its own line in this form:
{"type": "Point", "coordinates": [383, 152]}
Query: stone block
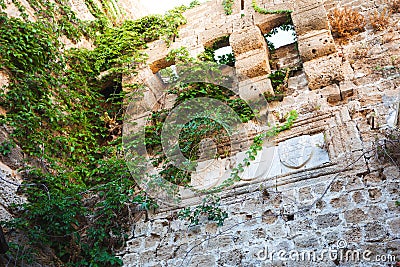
{"type": "Point", "coordinates": [355, 216]}
{"type": "Point", "coordinates": [220, 242]}
{"type": "Point", "coordinates": [165, 253]}
{"type": "Point", "coordinates": [131, 259]}
{"type": "Point", "coordinates": [301, 5]}
{"type": "Point", "coordinates": [81, 10]}
{"type": "Point", "coordinates": [391, 173]}
{"type": "Point", "coordinates": [375, 213]}
{"type": "Point", "coordinates": [347, 88]}
{"type": "Point", "coordinates": [306, 241]}
{"type": "Point", "coordinates": [203, 260]}
{"type": "Point", "coordinates": [340, 202]}
{"type": "Point", "coordinates": [230, 258]}
{"type": "Point", "coordinates": [374, 231]}
{"type": "Point", "coordinates": [247, 39]}
{"type": "Point", "coordinates": [210, 36]}
{"type": "Point", "coordinates": [4, 214]}
{"type": "Point", "coordinates": [254, 88]}
{"type": "Point", "coordinates": [358, 197]}
{"type": "Point", "coordinates": [4, 80]}
{"type": "Point", "coordinates": [354, 182]}
{"type": "Point", "coordinates": [327, 220]}
{"type": "Point", "coordinates": [348, 74]}
{"type": "Point", "coordinates": [354, 234]}
{"type": "Point", "coordinates": [316, 44]}
{"type": "Point", "coordinates": [243, 23]}
{"type": "Point", "coordinates": [323, 71]}
{"type": "Point", "coordinates": [208, 173]}
{"type": "Point", "coordinates": [394, 226]}
{"type": "Point", "coordinates": [332, 93]}
{"type": "Point", "coordinates": [374, 193]}
{"type": "Point", "coordinates": [152, 241]}
{"type": "Point", "coordinates": [252, 65]}
{"type": "Point", "coordinates": [269, 217]}
{"type": "Point", "coordinates": [148, 256]}
{"type": "Point", "coordinates": [310, 17]}
{"type": "Point", "coordinates": [267, 22]}
{"type": "Point", "coordinates": [278, 230]}
{"type": "Point", "coordinates": [157, 52]}
{"type": "Point", "coordinates": [305, 194]}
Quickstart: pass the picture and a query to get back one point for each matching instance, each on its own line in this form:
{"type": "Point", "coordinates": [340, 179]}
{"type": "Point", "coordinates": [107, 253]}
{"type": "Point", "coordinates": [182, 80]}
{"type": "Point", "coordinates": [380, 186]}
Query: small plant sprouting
{"type": "Point", "coordinates": [209, 208]}
{"type": "Point", "coordinates": [228, 4]}
{"type": "Point", "coordinates": [380, 20]}
{"type": "Point", "coordinates": [346, 22]}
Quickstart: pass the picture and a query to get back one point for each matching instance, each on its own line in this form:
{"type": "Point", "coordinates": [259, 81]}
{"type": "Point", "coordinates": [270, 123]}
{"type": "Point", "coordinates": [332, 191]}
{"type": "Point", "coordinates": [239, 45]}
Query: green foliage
{"type": "Point", "coordinates": [195, 131]}
{"type": "Point", "coordinates": [228, 4]}
{"type": "Point", "coordinates": [261, 10]}
{"type": "Point", "coordinates": [278, 78]}
{"type": "Point", "coordinates": [253, 150]}
{"type": "Point", "coordinates": [209, 53]}
{"type": "Point", "coordinates": [279, 81]}
{"type": "Point", "coordinates": [69, 120]}
{"type": "Point", "coordinates": [211, 203]}
{"type": "Point", "coordinates": [6, 147]}
{"type": "Point", "coordinates": [210, 208]}
{"type": "Point", "coordinates": [179, 55]}
{"type": "Point", "coordinates": [228, 59]}
{"type": "Point", "coordinates": [287, 26]}
{"type": "Point", "coordinates": [194, 4]}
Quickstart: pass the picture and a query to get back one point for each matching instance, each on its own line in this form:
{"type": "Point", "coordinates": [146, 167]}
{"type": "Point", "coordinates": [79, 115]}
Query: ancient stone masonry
{"type": "Point", "coordinates": [321, 63]}
{"type": "Point", "coordinates": [245, 29]}
{"type": "Point", "coordinates": [317, 186]}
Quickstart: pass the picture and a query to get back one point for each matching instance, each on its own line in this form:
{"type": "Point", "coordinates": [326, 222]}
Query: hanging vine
{"type": "Point", "coordinates": [69, 120]}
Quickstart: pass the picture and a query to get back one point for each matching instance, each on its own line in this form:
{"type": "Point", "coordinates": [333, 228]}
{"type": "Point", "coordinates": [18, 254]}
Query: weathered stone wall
{"type": "Point", "coordinates": [340, 196]}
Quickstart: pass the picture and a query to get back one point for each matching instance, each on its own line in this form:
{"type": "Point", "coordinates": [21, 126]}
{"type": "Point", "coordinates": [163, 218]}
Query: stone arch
{"type": "Point", "coordinates": [217, 41]}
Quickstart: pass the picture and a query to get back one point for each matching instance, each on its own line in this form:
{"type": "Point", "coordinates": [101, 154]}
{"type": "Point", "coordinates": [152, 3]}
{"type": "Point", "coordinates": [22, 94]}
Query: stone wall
{"type": "Point", "coordinates": [334, 194]}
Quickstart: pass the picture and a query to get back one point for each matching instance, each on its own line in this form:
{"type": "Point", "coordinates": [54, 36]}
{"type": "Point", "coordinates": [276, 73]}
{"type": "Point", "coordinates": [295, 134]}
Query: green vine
{"type": "Point", "coordinates": [6, 147]}
{"type": "Point", "coordinates": [193, 133]}
{"type": "Point", "coordinates": [194, 3]}
{"type": "Point", "coordinates": [210, 204]}
{"type": "Point", "coordinates": [210, 208]}
{"type": "Point", "coordinates": [279, 80]}
{"type": "Point", "coordinates": [261, 10]}
{"type": "Point", "coordinates": [68, 120]}
{"type": "Point", "coordinates": [253, 151]}
{"type": "Point", "coordinates": [228, 6]}
{"type": "Point", "coordinates": [287, 26]}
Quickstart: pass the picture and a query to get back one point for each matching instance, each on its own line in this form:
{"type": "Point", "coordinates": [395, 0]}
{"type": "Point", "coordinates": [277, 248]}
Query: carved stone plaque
{"type": "Point", "coordinates": [296, 152]}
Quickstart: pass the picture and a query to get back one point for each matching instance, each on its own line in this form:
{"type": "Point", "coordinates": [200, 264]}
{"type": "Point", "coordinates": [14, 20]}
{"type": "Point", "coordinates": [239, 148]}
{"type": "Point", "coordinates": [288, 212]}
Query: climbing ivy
{"type": "Point", "coordinates": [228, 4]}
{"type": "Point", "coordinates": [68, 121]}
{"type": "Point", "coordinates": [254, 149]}
{"type": "Point", "coordinates": [287, 26]}
{"type": "Point", "coordinates": [194, 132]}
{"type": "Point", "coordinates": [210, 206]}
